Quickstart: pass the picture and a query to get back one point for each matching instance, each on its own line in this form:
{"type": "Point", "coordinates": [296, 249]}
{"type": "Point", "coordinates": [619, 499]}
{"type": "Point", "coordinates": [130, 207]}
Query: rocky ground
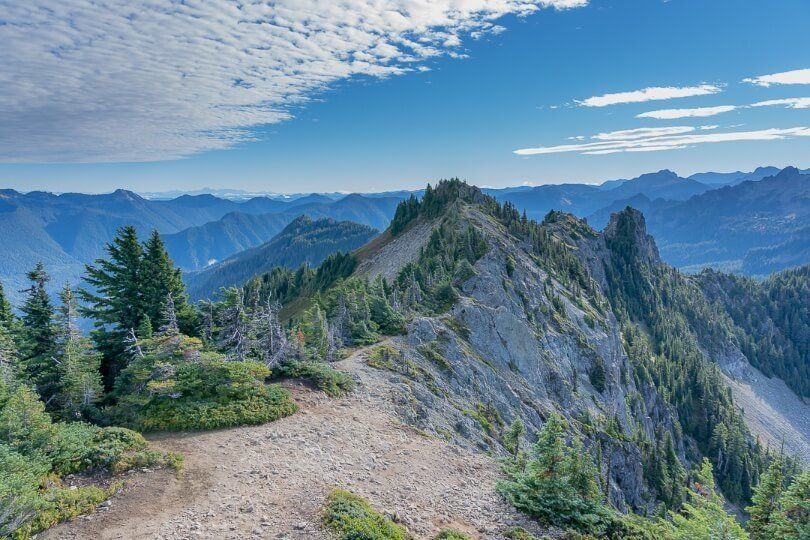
{"type": "Point", "coordinates": [270, 481]}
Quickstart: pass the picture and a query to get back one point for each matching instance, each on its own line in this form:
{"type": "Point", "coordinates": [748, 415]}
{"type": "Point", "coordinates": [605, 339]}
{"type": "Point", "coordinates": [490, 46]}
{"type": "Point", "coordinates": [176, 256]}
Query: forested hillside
{"type": "Point", "coordinates": [771, 320]}
{"type": "Point", "coordinates": [304, 241]}
{"type": "Point", "coordinates": [578, 357]}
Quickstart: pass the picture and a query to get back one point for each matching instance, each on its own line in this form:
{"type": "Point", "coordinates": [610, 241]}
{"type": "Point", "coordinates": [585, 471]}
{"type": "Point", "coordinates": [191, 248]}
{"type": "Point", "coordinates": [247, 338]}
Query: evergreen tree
{"type": "Point", "coordinates": [272, 342]}
{"type": "Point", "coordinates": [7, 318]}
{"type": "Point", "coordinates": [115, 299]}
{"type": "Point", "coordinates": [39, 335]}
{"type": "Point", "coordinates": [168, 315]}
{"type": "Point", "coordinates": [235, 335]}
{"type": "Point", "coordinates": [704, 516]}
{"type": "Point", "coordinates": [9, 368]}
{"type": "Point", "coordinates": [513, 436]}
{"type": "Point", "coordinates": [159, 278]}
{"type": "Point", "coordinates": [558, 485]}
{"type": "Point", "coordinates": [792, 518]}
{"type": "Point", "coordinates": [765, 499]}
{"type": "Point", "coordinates": [316, 333]}
{"type": "Point", "coordinates": [78, 364]}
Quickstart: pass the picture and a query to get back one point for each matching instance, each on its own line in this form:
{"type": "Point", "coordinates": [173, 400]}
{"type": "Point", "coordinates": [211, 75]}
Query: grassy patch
{"type": "Point", "coordinates": [351, 517]}
{"type": "Point", "coordinates": [430, 352]}
{"type": "Point", "coordinates": [450, 534]}
{"type": "Point", "coordinates": [382, 357]}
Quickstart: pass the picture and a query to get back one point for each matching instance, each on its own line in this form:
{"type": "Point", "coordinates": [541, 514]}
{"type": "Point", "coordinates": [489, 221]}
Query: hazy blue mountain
{"type": "Point", "coordinates": [663, 184]}
{"type": "Point", "coordinates": [68, 230]}
{"type": "Point", "coordinates": [794, 251]}
{"type": "Point", "coordinates": [197, 247]}
{"type": "Point", "coordinates": [583, 200]}
{"type": "Point", "coordinates": [720, 227]}
{"type": "Point", "coordinates": [732, 178]}
{"type": "Point", "coordinates": [304, 240]}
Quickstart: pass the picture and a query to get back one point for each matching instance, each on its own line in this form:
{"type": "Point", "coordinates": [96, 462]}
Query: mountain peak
{"type": "Point", "coordinates": [627, 232]}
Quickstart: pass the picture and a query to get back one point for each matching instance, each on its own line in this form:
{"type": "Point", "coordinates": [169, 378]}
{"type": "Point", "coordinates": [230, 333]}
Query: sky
{"type": "Point", "coordinates": [373, 95]}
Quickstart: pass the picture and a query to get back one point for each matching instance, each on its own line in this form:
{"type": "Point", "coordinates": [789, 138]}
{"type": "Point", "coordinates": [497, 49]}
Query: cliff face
{"type": "Point", "coordinates": [519, 343]}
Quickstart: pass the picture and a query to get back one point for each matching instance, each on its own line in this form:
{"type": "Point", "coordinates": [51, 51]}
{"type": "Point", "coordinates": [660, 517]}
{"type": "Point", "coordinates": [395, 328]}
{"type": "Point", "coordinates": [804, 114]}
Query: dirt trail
{"type": "Point", "coordinates": [270, 481]}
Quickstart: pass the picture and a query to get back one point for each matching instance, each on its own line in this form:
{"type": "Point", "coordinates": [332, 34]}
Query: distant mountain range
{"type": "Point", "coordinates": [196, 247]}
{"type": "Point", "coordinates": [70, 230]}
{"type": "Point", "coordinates": [304, 240]}
{"type": "Point", "coordinates": [740, 221]}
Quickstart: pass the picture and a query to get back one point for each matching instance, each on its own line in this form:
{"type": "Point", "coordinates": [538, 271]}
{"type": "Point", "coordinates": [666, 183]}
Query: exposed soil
{"type": "Point", "coordinates": [271, 481]}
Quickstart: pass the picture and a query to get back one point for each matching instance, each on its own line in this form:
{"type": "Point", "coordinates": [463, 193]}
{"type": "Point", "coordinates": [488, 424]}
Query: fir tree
{"type": "Point", "coordinates": [169, 317]}
{"type": "Point", "coordinates": [78, 364]}
{"type": "Point", "coordinates": [235, 336]}
{"type": "Point", "coordinates": [160, 278]}
{"type": "Point", "coordinates": [704, 516]}
{"type": "Point", "coordinates": [513, 436]}
{"type": "Point", "coordinates": [792, 519]}
{"type": "Point", "coordinates": [7, 317]}
{"type": "Point", "coordinates": [272, 342]}
{"type": "Point", "coordinates": [115, 299]}
{"type": "Point", "coordinates": [765, 499]}
{"type": "Point", "coordinates": [39, 335]}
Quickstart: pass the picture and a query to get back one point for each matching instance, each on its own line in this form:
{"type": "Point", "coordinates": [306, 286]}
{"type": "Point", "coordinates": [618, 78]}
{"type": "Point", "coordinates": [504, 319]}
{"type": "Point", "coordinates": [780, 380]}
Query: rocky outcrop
{"type": "Point", "coordinates": [520, 344]}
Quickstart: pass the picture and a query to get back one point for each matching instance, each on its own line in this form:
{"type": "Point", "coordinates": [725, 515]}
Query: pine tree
{"type": "Point", "coordinates": [78, 364]}
{"type": "Point", "coordinates": [159, 277]}
{"type": "Point", "coordinates": [115, 299]}
{"type": "Point", "coordinates": [39, 335]}
{"type": "Point", "coordinates": [765, 499]}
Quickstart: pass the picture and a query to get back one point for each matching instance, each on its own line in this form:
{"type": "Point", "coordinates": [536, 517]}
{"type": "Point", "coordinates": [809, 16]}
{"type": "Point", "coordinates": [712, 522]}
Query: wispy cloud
{"type": "Point", "coordinates": [791, 103]}
{"type": "Point", "coordinates": [678, 138]}
{"type": "Point", "coordinates": [700, 112]}
{"type": "Point", "coordinates": [143, 80]}
{"type": "Point", "coordinates": [650, 94]}
{"type": "Point", "coordinates": [797, 76]}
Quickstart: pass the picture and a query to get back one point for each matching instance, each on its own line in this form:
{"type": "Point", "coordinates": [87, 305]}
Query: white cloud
{"type": "Point", "coordinates": [797, 76]}
{"type": "Point", "coordinates": [791, 103]}
{"type": "Point", "coordinates": [141, 80]}
{"type": "Point", "coordinates": [650, 94]}
{"type": "Point", "coordinates": [700, 112]}
{"type": "Point", "coordinates": [641, 133]}
{"type": "Point", "coordinates": [656, 142]}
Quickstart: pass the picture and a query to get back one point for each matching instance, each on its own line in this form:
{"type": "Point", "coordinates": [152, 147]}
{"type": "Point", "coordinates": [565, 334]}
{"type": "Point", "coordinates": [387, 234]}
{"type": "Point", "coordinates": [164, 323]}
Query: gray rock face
{"type": "Point", "coordinates": [505, 351]}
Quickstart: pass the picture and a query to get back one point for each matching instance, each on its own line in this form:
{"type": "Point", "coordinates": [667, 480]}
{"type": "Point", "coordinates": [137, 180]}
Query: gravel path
{"type": "Point", "coordinates": [270, 481]}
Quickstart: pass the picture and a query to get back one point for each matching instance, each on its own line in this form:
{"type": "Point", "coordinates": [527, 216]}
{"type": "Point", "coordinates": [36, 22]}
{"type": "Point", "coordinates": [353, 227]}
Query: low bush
{"type": "Point", "coordinates": [333, 382]}
{"type": "Point", "coordinates": [176, 387]}
{"type": "Point", "coordinates": [350, 517]}
{"type": "Point", "coordinates": [36, 452]}
{"type": "Point", "coordinates": [450, 534]}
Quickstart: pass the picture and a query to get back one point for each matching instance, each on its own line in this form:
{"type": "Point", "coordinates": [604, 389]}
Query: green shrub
{"type": "Point", "coordinates": [450, 534]}
{"type": "Point", "coordinates": [176, 387]}
{"type": "Point", "coordinates": [350, 517]}
{"type": "Point", "coordinates": [518, 533]}
{"type": "Point", "coordinates": [36, 452]}
{"type": "Point", "coordinates": [430, 352]}
{"type": "Point", "coordinates": [382, 357]}
{"type": "Point", "coordinates": [333, 382]}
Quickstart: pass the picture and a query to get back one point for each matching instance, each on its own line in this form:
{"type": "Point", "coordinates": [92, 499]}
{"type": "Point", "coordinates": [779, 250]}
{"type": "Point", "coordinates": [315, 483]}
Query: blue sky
{"type": "Point", "coordinates": [461, 109]}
